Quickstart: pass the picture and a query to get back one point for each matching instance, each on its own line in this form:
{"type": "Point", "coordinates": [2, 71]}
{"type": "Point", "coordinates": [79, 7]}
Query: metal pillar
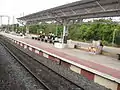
{"type": "Point", "coordinates": [27, 29]}
{"type": "Point", "coordinates": [13, 22]}
{"type": "Point", "coordinates": [8, 22]}
{"type": "Point", "coordinates": [80, 21]}
{"type": "Point", "coordinates": [73, 21]}
{"type": "Point", "coordinates": [113, 39]}
{"type": "Point", "coordinates": [65, 32]}
{"type": "Point", "coordinates": [1, 20]}
{"type": "Point", "coordinates": [56, 29]}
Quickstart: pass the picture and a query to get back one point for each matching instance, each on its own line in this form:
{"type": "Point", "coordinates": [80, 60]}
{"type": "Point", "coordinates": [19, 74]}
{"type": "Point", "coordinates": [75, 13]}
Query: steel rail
{"type": "Point", "coordinates": [40, 81]}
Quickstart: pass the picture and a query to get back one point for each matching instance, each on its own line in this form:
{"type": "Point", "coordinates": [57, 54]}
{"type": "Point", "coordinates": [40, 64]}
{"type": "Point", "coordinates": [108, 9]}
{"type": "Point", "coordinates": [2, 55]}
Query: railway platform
{"type": "Point", "coordinates": [101, 69]}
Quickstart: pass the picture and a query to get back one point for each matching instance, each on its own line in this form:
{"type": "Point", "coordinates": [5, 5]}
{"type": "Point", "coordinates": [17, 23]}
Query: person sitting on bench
{"type": "Point", "coordinates": [96, 47]}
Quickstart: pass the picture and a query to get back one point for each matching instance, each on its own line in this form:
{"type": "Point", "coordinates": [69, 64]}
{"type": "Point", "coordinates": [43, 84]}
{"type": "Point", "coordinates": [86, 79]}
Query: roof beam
{"type": "Point", "coordinates": [73, 11]}
{"type": "Point", "coordinates": [100, 6]}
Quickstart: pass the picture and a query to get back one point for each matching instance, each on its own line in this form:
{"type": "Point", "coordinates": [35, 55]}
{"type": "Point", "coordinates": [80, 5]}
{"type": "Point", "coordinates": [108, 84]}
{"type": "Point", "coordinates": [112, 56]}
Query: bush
{"type": "Point", "coordinates": [105, 43]}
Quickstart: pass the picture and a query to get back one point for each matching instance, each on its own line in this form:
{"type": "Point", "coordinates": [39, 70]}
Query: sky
{"type": "Point", "coordinates": [18, 8]}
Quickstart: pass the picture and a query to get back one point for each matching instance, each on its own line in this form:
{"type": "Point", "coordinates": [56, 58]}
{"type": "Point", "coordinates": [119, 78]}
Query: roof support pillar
{"type": "Point", "coordinates": [65, 32]}
{"type": "Point", "coordinates": [1, 20]}
{"type": "Point", "coordinates": [73, 21]}
{"type": "Point", "coordinates": [8, 22]}
{"type": "Point", "coordinates": [27, 29]}
{"type": "Point", "coordinates": [80, 21]}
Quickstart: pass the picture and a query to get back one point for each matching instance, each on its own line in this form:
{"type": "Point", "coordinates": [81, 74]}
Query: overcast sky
{"type": "Point", "coordinates": [17, 7]}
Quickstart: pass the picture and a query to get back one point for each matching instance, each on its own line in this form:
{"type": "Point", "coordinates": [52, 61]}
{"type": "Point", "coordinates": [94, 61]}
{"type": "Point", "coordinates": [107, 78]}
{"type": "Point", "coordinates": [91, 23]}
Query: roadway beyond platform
{"type": "Point", "coordinates": [101, 69]}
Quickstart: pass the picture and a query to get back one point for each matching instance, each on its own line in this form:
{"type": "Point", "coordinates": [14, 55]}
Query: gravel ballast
{"type": "Point", "coordinates": [13, 76]}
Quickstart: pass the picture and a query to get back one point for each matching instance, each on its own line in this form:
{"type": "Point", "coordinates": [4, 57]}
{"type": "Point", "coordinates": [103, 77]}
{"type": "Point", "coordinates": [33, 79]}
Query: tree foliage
{"type": "Point", "coordinates": [97, 30]}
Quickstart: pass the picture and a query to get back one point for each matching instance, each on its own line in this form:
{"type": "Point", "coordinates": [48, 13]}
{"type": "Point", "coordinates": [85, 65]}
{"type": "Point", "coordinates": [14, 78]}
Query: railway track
{"type": "Point", "coordinates": [47, 77]}
{"type": "Point", "coordinates": [41, 82]}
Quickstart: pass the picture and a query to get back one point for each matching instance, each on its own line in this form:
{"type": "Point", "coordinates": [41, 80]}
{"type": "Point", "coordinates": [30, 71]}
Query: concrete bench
{"type": "Point", "coordinates": [77, 46]}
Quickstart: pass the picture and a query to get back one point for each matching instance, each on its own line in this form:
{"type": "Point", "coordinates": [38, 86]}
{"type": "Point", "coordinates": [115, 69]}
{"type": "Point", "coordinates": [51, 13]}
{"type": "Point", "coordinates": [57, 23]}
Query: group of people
{"type": "Point", "coordinates": [50, 38]}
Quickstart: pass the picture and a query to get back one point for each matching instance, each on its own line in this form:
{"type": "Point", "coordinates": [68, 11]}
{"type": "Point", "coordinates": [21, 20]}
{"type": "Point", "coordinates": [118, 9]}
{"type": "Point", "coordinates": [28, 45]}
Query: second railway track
{"type": "Point", "coordinates": [47, 77]}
